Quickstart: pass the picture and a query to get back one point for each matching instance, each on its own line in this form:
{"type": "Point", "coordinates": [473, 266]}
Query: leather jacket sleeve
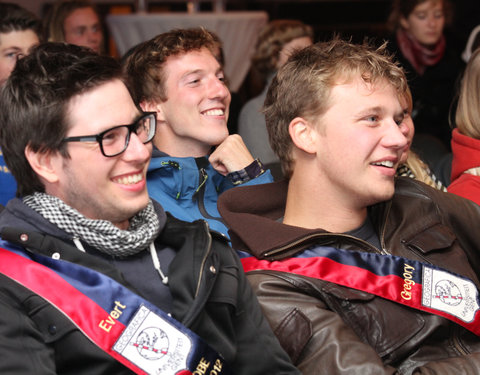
{"type": "Point", "coordinates": [455, 214]}
{"type": "Point", "coordinates": [316, 338]}
{"type": "Point", "coordinates": [304, 315]}
{"type": "Point", "coordinates": [469, 364]}
{"type": "Point", "coordinates": [462, 215]}
{"type": "Point", "coordinates": [256, 335]}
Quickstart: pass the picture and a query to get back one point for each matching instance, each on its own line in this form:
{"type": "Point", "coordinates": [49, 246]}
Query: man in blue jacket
{"type": "Point", "coordinates": [178, 75]}
{"type": "Point", "coordinates": [95, 278]}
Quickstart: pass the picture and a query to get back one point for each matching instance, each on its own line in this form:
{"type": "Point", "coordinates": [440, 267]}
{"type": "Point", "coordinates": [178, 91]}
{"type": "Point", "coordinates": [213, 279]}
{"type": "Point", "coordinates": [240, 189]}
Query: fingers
{"type": "Point", "coordinates": [231, 155]}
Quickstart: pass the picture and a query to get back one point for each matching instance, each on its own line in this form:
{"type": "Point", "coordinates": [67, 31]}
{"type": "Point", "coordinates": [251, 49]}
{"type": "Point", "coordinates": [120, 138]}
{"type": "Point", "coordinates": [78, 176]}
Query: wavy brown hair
{"type": "Point", "coordinates": [144, 67]}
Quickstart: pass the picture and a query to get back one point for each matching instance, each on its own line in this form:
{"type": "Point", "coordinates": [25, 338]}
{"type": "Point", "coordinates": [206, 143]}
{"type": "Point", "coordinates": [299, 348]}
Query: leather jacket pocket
{"type": "Point", "coordinates": [435, 237]}
{"type": "Point", "coordinates": [390, 328]}
{"type": "Point", "coordinates": [294, 332]}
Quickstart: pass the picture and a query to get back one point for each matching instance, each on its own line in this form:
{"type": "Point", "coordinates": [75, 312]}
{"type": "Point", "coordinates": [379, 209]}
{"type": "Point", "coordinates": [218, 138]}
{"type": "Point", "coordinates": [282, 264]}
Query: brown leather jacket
{"type": "Point", "coordinates": [330, 329]}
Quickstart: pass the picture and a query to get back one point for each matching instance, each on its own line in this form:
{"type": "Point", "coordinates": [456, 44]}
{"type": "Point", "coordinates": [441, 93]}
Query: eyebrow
{"type": "Point", "coordinates": [379, 110]}
{"type": "Point", "coordinates": [367, 111]}
{"type": "Point", "coordinates": [136, 116]}
{"type": "Point", "coordinates": [80, 28]}
{"type": "Point", "coordinates": [15, 48]}
{"type": "Point", "coordinates": [200, 71]}
{"type": "Point", "coordinates": [196, 71]}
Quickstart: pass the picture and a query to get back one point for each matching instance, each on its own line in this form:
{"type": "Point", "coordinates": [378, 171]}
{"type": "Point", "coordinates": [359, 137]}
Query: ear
{"type": "Point", "coordinates": [151, 106]}
{"type": "Point", "coordinates": [46, 164]}
{"type": "Point", "coordinates": [404, 23]}
{"type": "Point", "coordinates": [303, 134]}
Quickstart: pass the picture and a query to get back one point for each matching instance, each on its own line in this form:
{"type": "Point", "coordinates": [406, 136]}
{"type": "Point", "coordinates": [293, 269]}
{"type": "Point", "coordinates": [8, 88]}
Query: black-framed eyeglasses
{"type": "Point", "coordinates": [115, 140]}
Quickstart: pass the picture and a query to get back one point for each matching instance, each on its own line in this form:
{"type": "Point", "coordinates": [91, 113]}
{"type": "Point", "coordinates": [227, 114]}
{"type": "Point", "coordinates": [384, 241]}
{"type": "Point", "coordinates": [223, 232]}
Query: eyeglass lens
{"type": "Point", "coordinates": [115, 141]}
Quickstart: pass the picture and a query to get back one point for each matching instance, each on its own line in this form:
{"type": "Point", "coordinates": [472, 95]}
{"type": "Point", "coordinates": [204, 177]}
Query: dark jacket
{"type": "Point", "coordinates": [327, 328]}
{"type": "Point", "coordinates": [210, 295]}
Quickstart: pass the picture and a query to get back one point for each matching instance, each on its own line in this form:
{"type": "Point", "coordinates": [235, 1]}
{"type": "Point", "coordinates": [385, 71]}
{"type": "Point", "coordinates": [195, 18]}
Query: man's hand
{"type": "Point", "coordinates": [231, 155]}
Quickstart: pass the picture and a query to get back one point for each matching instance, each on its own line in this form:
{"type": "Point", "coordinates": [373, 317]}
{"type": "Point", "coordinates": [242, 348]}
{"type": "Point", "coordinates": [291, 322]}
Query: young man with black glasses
{"type": "Point", "coordinates": [95, 278]}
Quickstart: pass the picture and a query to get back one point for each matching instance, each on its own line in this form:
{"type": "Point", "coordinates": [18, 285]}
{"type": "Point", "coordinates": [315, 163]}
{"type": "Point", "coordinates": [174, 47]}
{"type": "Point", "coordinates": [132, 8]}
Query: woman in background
{"type": "Point", "coordinates": [466, 135]}
{"type": "Point", "coordinates": [75, 22]}
{"type": "Point", "coordinates": [431, 63]}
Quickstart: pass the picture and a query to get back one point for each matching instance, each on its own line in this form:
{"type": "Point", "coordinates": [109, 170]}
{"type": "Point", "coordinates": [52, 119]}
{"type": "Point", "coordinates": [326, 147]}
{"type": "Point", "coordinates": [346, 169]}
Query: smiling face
{"type": "Point", "coordinates": [82, 28]}
{"type": "Point", "coordinates": [99, 187]}
{"type": "Point", "coordinates": [426, 22]}
{"type": "Point", "coordinates": [194, 117]}
{"type": "Point", "coordinates": [14, 45]}
{"type": "Point", "coordinates": [359, 143]}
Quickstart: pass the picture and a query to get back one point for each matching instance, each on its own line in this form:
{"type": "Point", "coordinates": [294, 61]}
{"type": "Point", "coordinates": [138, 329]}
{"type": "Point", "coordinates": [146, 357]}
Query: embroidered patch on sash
{"type": "Point", "coordinates": [153, 344]}
{"type": "Point", "coordinates": [449, 293]}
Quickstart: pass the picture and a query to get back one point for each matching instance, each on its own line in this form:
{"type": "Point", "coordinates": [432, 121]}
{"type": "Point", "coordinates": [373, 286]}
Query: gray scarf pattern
{"type": "Point", "coordinates": [100, 234]}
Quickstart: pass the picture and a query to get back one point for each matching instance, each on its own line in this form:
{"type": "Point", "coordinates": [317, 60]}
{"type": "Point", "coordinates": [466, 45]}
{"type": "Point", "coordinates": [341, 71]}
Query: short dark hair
{"type": "Point", "coordinates": [35, 99]}
{"type": "Point", "coordinates": [15, 18]}
{"type": "Point", "coordinates": [144, 66]}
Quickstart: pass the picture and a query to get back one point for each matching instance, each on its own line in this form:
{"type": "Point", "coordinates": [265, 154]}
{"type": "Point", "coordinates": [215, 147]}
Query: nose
{"type": "Point", "coordinates": [94, 35]}
{"type": "Point", "coordinates": [395, 136]}
{"type": "Point", "coordinates": [404, 128]}
{"type": "Point", "coordinates": [432, 21]}
{"type": "Point", "coordinates": [137, 150]}
{"type": "Point", "coordinates": [218, 89]}
{"type": "Point", "coordinates": [94, 38]}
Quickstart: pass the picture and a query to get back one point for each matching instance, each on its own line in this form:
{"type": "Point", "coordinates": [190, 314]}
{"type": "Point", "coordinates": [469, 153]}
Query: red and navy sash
{"type": "Point", "coordinates": [415, 284]}
{"type": "Point", "coordinates": [130, 329]}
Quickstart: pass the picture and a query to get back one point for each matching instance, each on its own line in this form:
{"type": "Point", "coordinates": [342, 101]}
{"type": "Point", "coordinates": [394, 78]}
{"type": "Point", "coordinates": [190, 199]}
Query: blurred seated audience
{"type": "Point", "coordinates": [76, 22]}
{"type": "Point", "coordinates": [432, 64]}
{"type": "Point", "coordinates": [411, 164]}
{"type": "Point", "coordinates": [274, 45]}
{"type": "Point", "coordinates": [472, 44]}
{"type": "Point", "coordinates": [466, 135]}
{"type": "Point", "coordinates": [20, 30]}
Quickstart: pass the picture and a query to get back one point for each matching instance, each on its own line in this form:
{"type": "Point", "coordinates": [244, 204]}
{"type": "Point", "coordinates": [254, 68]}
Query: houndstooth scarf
{"type": "Point", "coordinates": [100, 234]}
